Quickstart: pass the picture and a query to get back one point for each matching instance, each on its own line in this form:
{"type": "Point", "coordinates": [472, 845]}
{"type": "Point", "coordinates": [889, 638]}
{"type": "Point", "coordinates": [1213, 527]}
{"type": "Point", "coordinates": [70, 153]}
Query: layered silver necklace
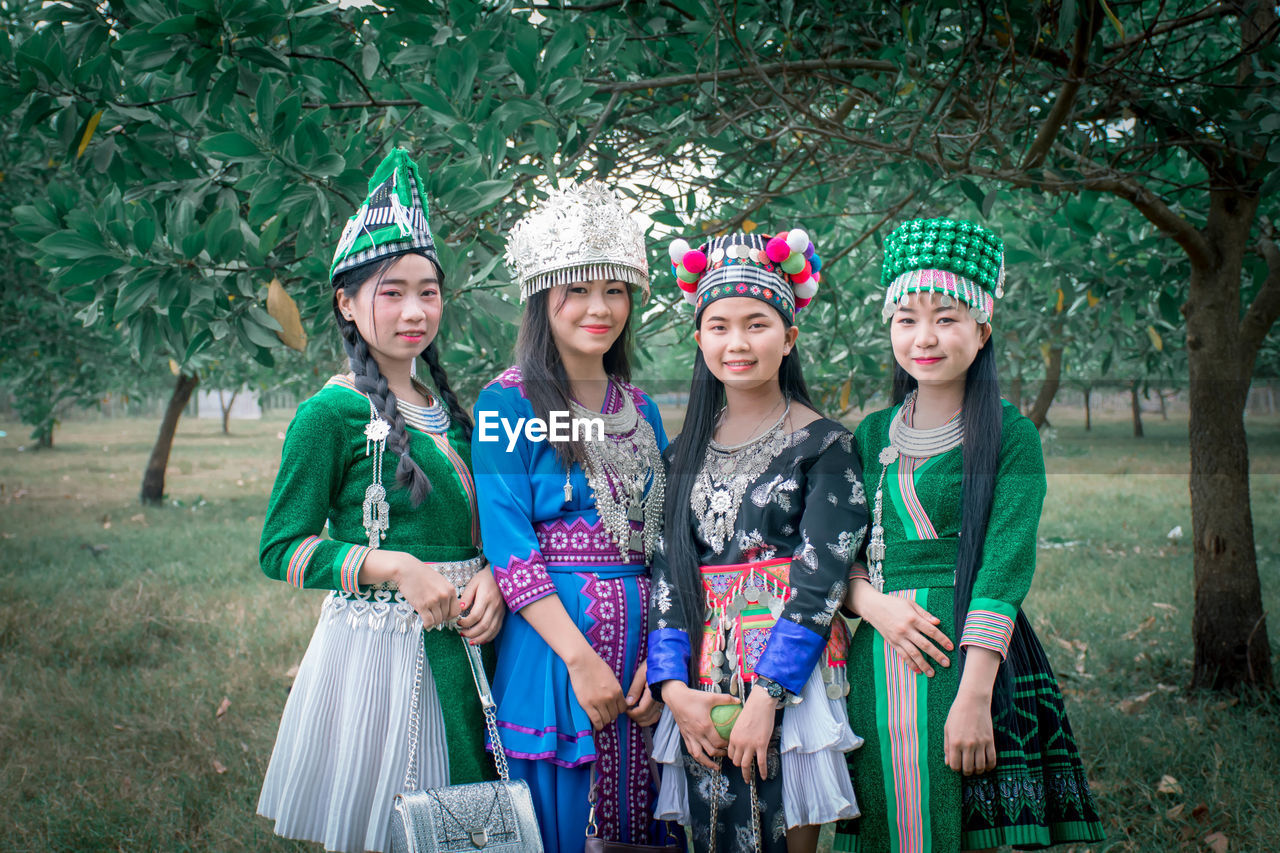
{"type": "Point", "coordinates": [726, 474]}
{"type": "Point", "coordinates": [625, 472]}
{"type": "Point", "coordinates": [905, 440]}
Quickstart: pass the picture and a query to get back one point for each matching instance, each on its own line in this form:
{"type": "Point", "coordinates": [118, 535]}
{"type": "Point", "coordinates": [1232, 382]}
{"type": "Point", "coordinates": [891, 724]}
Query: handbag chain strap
{"type": "Point", "coordinates": [486, 703]}
{"type": "Point", "coordinates": [715, 811]}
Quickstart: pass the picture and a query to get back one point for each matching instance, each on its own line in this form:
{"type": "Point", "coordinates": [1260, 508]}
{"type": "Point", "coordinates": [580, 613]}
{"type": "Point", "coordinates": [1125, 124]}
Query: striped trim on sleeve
{"type": "Point", "coordinates": [989, 630]}
{"type": "Point", "coordinates": [296, 573]}
{"type": "Point", "coordinates": [350, 570]}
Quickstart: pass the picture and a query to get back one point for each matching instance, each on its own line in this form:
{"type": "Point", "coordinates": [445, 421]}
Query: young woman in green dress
{"type": "Point", "coordinates": [967, 742]}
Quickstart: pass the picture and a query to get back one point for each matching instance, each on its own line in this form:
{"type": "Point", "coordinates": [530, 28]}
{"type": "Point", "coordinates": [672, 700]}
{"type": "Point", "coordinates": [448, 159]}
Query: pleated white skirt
{"type": "Point", "coordinates": [342, 750]}
{"type": "Point", "coordinates": [815, 778]}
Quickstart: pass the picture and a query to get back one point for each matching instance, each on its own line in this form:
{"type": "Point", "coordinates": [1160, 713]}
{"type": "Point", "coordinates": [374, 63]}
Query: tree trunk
{"type": "Point", "coordinates": [1229, 626]}
{"type": "Point", "coordinates": [226, 410]}
{"type": "Point", "coordinates": [1088, 411]}
{"type": "Point", "coordinates": [1164, 405]}
{"type": "Point", "coordinates": [1015, 392]}
{"type": "Point", "coordinates": [1052, 379]}
{"type": "Point", "coordinates": [44, 437]}
{"type": "Point", "coordinates": [1136, 404]}
{"type": "Point", "coordinates": [153, 479]}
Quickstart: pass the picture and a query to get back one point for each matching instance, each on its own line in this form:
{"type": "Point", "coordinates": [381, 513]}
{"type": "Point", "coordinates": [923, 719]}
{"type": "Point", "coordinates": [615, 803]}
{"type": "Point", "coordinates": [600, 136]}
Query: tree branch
{"type": "Point", "coordinates": [1148, 204]}
{"type": "Point", "coordinates": [724, 74]}
{"type": "Point", "coordinates": [1085, 32]}
{"type": "Point", "coordinates": [1265, 308]}
{"type": "Point", "coordinates": [1212, 11]}
{"type": "Point", "coordinates": [364, 105]}
{"type": "Point", "coordinates": [359, 82]}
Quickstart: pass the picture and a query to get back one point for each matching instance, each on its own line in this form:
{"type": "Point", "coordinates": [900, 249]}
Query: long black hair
{"type": "Point", "coordinates": [706, 399]}
{"type": "Point", "coordinates": [546, 384]}
{"type": "Point", "coordinates": [370, 381]}
{"type": "Point", "coordinates": [982, 419]}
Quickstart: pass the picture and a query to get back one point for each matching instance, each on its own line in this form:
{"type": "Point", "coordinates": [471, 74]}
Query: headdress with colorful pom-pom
{"type": "Point", "coordinates": [782, 270]}
{"type": "Point", "coordinates": [959, 259]}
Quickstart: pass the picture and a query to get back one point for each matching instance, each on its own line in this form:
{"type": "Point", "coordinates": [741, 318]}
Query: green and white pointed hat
{"type": "Point", "coordinates": [392, 220]}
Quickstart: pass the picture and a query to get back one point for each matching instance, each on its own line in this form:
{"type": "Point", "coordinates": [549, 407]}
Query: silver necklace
{"type": "Point", "coordinates": [904, 440]}
{"type": "Point", "coordinates": [727, 472]}
{"type": "Point", "coordinates": [625, 472]}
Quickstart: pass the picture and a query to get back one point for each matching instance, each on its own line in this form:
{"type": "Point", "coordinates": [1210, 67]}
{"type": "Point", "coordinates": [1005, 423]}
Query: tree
{"type": "Point", "coordinates": [204, 154]}
{"type": "Point", "coordinates": [1169, 107]}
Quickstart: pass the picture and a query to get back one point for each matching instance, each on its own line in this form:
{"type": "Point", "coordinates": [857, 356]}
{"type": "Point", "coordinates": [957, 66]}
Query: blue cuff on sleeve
{"type": "Point", "coordinates": [790, 655]}
{"type": "Point", "coordinates": [669, 652]}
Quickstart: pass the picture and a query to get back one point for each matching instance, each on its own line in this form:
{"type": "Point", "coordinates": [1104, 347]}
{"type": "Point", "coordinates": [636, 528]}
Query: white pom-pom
{"type": "Point", "coordinates": [798, 240]}
{"type": "Point", "coordinates": [807, 290]}
{"type": "Point", "coordinates": [690, 296]}
{"type": "Point", "coordinates": [677, 249]}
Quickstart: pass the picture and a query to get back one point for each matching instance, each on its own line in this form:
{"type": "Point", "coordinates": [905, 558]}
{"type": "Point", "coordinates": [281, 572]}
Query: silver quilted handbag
{"type": "Point", "coordinates": [493, 816]}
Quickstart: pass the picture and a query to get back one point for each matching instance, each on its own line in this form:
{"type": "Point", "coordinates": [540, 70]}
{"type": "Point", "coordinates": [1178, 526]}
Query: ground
{"type": "Point", "coordinates": [144, 658]}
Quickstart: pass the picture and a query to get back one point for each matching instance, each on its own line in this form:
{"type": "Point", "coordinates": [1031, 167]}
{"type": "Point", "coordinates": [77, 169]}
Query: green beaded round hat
{"type": "Point", "coordinates": [956, 258]}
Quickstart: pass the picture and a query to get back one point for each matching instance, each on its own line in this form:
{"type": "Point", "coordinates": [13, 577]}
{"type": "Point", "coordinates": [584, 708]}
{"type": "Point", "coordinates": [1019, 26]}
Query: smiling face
{"type": "Point", "coordinates": [933, 343]}
{"type": "Point", "coordinates": [743, 341]}
{"type": "Point", "coordinates": [587, 317]}
{"type": "Point", "coordinates": [398, 314]}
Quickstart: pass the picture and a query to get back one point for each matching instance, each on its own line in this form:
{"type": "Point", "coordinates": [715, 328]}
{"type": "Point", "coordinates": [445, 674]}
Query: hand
{"type": "Point", "coordinates": [642, 708]}
{"type": "Point", "coordinates": [692, 712]}
{"type": "Point", "coordinates": [968, 741]}
{"type": "Point", "coordinates": [482, 607]}
{"type": "Point", "coordinates": [597, 689]}
{"type": "Point", "coordinates": [426, 590]}
{"type": "Point", "coordinates": [749, 740]}
{"type": "Point", "coordinates": [906, 626]}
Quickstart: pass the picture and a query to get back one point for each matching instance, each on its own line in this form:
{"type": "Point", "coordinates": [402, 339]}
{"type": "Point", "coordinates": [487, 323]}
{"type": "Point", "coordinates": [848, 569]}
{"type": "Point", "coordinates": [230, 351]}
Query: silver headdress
{"type": "Point", "coordinates": [578, 234]}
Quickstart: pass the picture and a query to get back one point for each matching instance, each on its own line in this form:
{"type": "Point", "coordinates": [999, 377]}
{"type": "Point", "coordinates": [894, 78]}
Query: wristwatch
{"type": "Point", "coordinates": [775, 690]}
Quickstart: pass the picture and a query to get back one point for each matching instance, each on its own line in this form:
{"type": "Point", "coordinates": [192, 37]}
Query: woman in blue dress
{"type": "Point", "coordinates": [570, 523]}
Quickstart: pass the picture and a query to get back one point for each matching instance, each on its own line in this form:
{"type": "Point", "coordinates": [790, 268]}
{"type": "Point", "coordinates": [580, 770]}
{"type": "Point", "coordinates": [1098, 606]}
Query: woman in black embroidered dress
{"type": "Point", "coordinates": [765, 514]}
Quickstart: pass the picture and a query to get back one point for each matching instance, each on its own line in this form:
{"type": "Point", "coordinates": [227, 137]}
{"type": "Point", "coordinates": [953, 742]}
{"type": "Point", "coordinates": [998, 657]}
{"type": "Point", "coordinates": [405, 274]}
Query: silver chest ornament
{"type": "Point", "coordinates": [377, 512]}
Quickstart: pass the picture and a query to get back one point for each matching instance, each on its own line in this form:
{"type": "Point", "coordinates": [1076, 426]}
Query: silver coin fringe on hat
{"type": "Point", "coordinates": [578, 234]}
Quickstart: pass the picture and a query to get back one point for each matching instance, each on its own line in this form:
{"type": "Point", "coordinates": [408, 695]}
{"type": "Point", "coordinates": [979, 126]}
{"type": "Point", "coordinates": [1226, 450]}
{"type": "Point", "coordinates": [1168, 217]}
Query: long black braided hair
{"type": "Point", "coordinates": [370, 381]}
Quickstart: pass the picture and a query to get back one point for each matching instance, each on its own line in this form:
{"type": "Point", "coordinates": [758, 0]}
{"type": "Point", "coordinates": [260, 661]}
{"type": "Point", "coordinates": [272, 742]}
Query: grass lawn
{"type": "Point", "coordinates": [144, 658]}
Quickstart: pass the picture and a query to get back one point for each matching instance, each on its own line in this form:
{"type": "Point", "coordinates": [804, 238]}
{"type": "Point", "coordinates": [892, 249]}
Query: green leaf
{"type": "Point", "coordinates": [262, 56]}
{"type": "Point", "coordinates": [144, 233]}
{"type": "Point", "coordinates": [201, 340]}
{"type": "Point", "coordinates": [988, 202]}
{"type": "Point", "coordinates": [89, 269]}
{"type": "Point", "coordinates": [231, 145]}
{"type": "Point", "coordinates": [68, 245]}
{"type": "Point", "coordinates": [259, 334]}
{"type": "Point", "coordinates": [369, 60]}
{"type": "Point", "coordinates": [180, 24]}
{"type": "Point", "coordinates": [328, 166]}
{"type": "Point", "coordinates": [135, 294]}
{"type": "Point", "coordinates": [972, 192]}
{"type": "Point", "coordinates": [414, 54]}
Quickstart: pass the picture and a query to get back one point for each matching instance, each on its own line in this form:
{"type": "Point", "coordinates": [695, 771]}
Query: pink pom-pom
{"type": "Point", "coordinates": [802, 302]}
{"type": "Point", "coordinates": [817, 276]}
{"type": "Point", "coordinates": [687, 286]}
{"type": "Point", "coordinates": [799, 278]}
{"type": "Point", "coordinates": [695, 261]}
{"type": "Point", "coordinates": [777, 250]}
